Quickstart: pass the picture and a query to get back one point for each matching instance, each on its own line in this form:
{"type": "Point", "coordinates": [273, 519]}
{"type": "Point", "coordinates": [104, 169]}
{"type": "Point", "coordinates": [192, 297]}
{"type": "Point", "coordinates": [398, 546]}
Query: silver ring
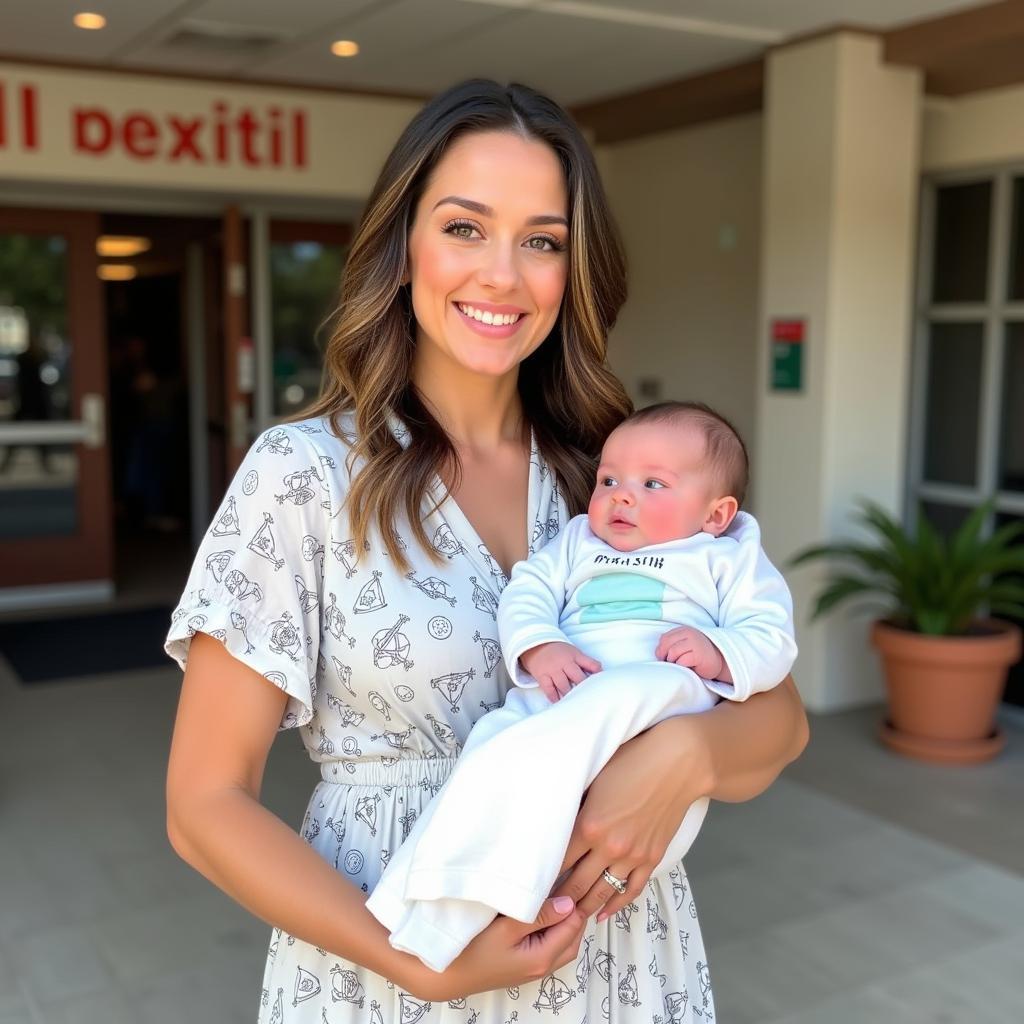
{"type": "Point", "coordinates": [616, 883]}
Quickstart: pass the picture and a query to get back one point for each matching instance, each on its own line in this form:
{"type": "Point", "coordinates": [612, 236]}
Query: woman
{"type": "Point", "coordinates": [356, 563]}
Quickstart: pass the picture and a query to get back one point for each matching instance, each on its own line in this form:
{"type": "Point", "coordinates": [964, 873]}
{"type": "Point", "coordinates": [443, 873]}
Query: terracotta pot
{"type": "Point", "coordinates": [944, 690]}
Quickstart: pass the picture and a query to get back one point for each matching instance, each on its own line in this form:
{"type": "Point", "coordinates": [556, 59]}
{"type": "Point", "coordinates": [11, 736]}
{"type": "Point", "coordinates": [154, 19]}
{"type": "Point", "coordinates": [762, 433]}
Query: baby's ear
{"type": "Point", "coordinates": [721, 515]}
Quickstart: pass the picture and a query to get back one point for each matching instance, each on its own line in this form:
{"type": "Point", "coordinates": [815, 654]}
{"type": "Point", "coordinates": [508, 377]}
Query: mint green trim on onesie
{"type": "Point", "coordinates": [621, 595]}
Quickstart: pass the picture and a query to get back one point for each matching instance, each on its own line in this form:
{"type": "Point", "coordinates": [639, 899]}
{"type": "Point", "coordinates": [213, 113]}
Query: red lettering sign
{"type": "Point", "coordinates": [140, 135]}
{"type": "Point", "coordinates": [791, 331]}
{"type": "Point", "coordinates": [94, 131]}
{"type": "Point", "coordinates": [25, 117]}
{"type": "Point", "coordinates": [185, 131]}
{"type": "Point", "coordinates": [251, 137]}
{"type": "Point", "coordinates": [28, 117]}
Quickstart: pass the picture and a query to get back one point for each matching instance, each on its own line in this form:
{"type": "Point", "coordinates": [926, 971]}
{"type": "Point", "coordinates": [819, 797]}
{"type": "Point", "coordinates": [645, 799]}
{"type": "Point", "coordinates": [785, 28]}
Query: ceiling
{"type": "Point", "coordinates": [579, 51]}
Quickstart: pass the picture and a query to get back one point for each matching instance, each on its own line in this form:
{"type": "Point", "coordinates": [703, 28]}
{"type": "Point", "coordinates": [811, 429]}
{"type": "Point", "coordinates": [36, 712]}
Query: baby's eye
{"type": "Point", "coordinates": [607, 481]}
{"type": "Point", "coordinates": [653, 484]}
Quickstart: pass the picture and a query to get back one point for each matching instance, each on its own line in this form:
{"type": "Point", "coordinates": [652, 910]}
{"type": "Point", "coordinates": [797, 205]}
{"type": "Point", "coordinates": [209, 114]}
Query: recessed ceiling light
{"type": "Point", "coordinates": [89, 20]}
{"type": "Point", "coordinates": [344, 48]}
{"type": "Point", "coordinates": [116, 272]}
{"type": "Point", "coordinates": [122, 245]}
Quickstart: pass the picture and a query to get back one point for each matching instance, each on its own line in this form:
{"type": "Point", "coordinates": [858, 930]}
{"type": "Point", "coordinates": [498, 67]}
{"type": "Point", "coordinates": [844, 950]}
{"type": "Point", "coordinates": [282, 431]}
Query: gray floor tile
{"type": "Point", "coordinates": [226, 993]}
{"type": "Point", "coordinates": [110, 1007]}
{"type": "Point", "coordinates": [764, 976]}
{"type": "Point", "coordinates": [60, 962]}
{"type": "Point", "coordinates": [978, 986]}
{"type": "Point", "coordinates": [857, 1007]}
{"type": "Point", "coordinates": [989, 893]}
{"type": "Point", "coordinates": [871, 940]}
{"type": "Point", "coordinates": [15, 1014]}
{"type": "Point", "coordinates": [15, 1004]}
{"type": "Point", "coordinates": [966, 807]}
{"type": "Point", "coordinates": [145, 945]}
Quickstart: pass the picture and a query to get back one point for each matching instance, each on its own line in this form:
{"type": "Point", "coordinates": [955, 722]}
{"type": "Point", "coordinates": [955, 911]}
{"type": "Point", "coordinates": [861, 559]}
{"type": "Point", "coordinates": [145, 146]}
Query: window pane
{"type": "Point", "coordinates": [960, 267]}
{"type": "Point", "coordinates": [1015, 683]}
{"type": "Point", "coordinates": [952, 399]}
{"type": "Point", "coordinates": [1011, 447]}
{"type": "Point", "coordinates": [1015, 284]}
{"type": "Point", "coordinates": [38, 483]}
{"type": "Point", "coordinates": [947, 519]}
{"type": "Point", "coordinates": [304, 279]}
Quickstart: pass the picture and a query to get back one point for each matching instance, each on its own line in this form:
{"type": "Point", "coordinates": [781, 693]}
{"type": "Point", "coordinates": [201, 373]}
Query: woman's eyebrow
{"type": "Point", "coordinates": [487, 211]}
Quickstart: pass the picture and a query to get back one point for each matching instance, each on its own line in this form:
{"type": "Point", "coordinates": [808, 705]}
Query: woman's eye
{"type": "Point", "coordinates": [545, 243]}
{"type": "Point", "coordinates": [459, 228]}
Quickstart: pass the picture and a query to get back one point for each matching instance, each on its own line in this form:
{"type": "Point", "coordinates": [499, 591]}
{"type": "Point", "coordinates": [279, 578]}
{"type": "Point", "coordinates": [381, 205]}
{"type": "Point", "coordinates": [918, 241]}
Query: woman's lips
{"type": "Point", "coordinates": [489, 330]}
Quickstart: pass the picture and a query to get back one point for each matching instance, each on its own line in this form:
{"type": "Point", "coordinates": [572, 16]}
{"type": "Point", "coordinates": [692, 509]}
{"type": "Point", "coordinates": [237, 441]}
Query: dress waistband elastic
{"type": "Point", "coordinates": [392, 771]}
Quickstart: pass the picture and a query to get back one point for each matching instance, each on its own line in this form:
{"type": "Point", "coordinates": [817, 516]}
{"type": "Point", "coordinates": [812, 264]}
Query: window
{"type": "Point", "coordinates": [967, 436]}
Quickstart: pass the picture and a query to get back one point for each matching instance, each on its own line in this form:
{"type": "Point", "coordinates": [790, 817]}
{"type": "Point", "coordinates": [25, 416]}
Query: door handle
{"type": "Point", "coordinates": [89, 431]}
{"type": "Point", "coordinates": [94, 420]}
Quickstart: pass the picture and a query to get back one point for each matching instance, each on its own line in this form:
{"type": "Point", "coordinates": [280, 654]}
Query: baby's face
{"type": "Point", "coordinates": [652, 486]}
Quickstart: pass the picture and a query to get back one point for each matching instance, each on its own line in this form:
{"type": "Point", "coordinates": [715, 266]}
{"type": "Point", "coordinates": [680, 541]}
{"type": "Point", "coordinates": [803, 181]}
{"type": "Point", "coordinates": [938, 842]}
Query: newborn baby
{"type": "Point", "coordinates": [658, 602]}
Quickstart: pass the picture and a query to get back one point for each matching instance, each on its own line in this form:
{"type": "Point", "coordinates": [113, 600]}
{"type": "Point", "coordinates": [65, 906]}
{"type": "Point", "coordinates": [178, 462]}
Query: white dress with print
{"type": "Point", "coordinates": [386, 673]}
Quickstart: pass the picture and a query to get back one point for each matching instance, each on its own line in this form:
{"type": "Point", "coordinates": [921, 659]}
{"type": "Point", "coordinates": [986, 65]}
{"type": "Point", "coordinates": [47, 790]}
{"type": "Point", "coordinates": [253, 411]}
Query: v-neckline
{"type": "Point", "coordinates": [450, 509]}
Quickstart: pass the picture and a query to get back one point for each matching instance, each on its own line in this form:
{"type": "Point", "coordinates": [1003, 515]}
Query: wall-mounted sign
{"type": "Point", "coordinates": [142, 130]}
{"type": "Point", "coordinates": [787, 347]}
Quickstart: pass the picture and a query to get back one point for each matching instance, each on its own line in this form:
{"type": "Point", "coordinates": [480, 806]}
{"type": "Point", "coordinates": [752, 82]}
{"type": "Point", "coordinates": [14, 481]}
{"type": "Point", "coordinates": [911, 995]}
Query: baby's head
{"type": "Point", "coordinates": [668, 472]}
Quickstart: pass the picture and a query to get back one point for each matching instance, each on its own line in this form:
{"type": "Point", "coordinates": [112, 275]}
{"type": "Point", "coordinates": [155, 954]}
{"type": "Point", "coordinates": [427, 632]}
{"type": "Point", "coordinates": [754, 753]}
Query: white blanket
{"type": "Point", "coordinates": [526, 764]}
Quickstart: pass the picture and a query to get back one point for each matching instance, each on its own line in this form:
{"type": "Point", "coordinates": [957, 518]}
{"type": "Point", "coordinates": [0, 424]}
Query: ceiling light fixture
{"type": "Point", "coordinates": [344, 48]}
{"type": "Point", "coordinates": [116, 272]}
{"type": "Point", "coordinates": [122, 245]}
{"type": "Point", "coordinates": [89, 20]}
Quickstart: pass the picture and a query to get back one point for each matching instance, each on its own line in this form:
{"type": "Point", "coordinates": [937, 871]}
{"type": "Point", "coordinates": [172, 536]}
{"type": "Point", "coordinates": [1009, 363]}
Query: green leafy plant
{"type": "Point", "coordinates": [927, 583]}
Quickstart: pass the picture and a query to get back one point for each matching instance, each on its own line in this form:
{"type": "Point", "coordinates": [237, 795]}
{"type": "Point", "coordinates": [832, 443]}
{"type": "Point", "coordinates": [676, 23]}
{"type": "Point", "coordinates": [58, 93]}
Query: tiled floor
{"type": "Point", "coordinates": [860, 888]}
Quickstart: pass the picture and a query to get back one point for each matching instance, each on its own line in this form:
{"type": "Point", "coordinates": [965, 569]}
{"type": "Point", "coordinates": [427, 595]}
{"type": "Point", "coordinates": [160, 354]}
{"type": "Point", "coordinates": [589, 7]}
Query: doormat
{"type": "Point", "coordinates": [41, 650]}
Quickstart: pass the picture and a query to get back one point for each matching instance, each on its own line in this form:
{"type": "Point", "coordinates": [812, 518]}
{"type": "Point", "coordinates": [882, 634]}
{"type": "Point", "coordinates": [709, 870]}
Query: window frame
{"type": "Point", "coordinates": [995, 314]}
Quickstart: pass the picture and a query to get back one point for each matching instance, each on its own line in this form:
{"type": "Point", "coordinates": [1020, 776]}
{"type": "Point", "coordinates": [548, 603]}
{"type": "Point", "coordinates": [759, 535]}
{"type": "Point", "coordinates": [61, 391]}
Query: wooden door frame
{"type": "Point", "coordinates": [87, 554]}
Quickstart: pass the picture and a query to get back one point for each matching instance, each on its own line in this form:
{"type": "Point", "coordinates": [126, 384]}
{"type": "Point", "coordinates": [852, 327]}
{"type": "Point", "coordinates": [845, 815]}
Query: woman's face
{"type": "Point", "coordinates": [488, 253]}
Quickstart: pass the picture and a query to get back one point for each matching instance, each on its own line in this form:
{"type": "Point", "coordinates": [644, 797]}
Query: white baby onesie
{"type": "Point", "coordinates": [456, 870]}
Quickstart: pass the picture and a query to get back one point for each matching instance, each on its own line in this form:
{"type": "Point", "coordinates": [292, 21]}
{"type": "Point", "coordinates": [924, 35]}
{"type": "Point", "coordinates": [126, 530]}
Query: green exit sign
{"type": "Point", "coordinates": [787, 348]}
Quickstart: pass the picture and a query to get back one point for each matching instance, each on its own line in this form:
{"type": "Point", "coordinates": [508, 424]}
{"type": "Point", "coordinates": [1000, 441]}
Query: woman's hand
{"type": "Point", "coordinates": [635, 805]}
{"type": "Point", "coordinates": [505, 953]}
{"type": "Point", "coordinates": [628, 835]}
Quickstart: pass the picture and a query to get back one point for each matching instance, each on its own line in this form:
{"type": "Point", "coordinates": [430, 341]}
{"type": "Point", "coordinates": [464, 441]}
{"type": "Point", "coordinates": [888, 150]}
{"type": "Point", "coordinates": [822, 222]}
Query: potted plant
{"type": "Point", "coordinates": [945, 663]}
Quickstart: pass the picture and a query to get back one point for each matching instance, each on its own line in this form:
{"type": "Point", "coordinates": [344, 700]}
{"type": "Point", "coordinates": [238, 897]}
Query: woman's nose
{"type": "Point", "coordinates": [499, 269]}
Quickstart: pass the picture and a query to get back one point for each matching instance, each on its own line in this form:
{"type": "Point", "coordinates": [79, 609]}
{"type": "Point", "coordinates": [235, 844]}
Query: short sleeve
{"type": "Point", "coordinates": [257, 580]}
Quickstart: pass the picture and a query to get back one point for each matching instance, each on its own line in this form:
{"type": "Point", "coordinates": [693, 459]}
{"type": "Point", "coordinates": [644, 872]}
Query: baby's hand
{"type": "Point", "coordinates": [687, 646]}
{"type": "Point", "coordinates": [557, 667]}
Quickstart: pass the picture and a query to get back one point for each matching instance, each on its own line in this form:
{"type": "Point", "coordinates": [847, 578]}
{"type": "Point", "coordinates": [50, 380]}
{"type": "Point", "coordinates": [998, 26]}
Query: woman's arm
{"type": "Point", "coordinates": [742, 748]}
{"type": "Point", "coordinates": [227, 719]}
{"type": "Point", "coordinates": [635, 805]}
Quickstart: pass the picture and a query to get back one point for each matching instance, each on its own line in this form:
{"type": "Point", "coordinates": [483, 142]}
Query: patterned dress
{"type": "Point", "coordinates": [386, 672]}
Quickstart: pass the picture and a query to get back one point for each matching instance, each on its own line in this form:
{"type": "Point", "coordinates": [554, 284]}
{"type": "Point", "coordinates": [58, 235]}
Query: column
{"type": "Point", "coordinates": [841, 141]}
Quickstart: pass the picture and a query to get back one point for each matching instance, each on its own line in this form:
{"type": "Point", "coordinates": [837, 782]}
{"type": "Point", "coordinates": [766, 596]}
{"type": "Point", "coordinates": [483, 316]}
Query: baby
{"type": "Point", "coordinates": [672, 477]}
{"type": "Point", "coordinates": [658, 602]}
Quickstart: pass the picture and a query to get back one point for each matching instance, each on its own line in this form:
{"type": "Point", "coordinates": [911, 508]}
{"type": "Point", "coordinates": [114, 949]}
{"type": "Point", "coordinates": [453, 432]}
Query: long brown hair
{"type": "Point", "coordinates": [569, 396]}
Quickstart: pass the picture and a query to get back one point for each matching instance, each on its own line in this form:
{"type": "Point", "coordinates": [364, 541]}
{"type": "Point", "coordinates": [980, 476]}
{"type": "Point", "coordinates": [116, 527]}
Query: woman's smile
{"type": "Point", "coordinates": [489, 320]}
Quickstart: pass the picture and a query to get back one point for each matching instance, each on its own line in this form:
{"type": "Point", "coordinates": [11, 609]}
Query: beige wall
{"type": "Point", "coordinates": [980, 129]}
{"type": "Point", "coordinates": [688, 204]}
{"type": "Point", "coordinates": [840, 197]}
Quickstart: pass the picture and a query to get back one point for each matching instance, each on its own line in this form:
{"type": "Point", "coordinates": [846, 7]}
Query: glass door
{"type": "Point", "coordinates": [297, 267]}
{"type": "Point", "coordinates": [55, 503]}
